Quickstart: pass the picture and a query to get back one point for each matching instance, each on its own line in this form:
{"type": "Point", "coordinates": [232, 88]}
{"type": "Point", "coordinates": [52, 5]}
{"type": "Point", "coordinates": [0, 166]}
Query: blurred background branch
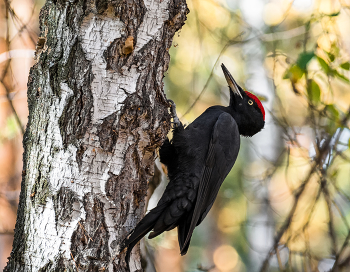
{"type": "Point", "coordinates": [17, 44]}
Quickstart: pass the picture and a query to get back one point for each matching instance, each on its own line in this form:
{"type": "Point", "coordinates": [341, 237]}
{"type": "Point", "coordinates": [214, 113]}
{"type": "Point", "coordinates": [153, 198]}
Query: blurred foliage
{"type": "Point", "coordinates": [10, 129]}
{"type": "Point", "coordinates": [285, 206]}
{"type": "Point", "coordinates": [18, 34]}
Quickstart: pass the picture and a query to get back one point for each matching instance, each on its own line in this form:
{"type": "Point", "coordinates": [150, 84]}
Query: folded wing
{"type": "Point", "coordinates": [221, 156]}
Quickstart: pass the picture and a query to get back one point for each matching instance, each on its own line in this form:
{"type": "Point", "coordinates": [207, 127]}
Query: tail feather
{"type": "Point", "coordinates": [134, 239]}
{"type": "Point", "coordinates": [182, 230]}
{"type": "Point", "coordinates": [141, 229]}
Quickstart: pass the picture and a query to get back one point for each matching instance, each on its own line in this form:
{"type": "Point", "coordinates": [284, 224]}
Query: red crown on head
{"type": "Point", "coordinates": [252, 96]}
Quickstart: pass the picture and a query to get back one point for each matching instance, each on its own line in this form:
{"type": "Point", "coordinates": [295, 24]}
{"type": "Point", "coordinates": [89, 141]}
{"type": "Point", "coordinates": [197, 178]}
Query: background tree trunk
{"type": "Point", "coordinates": [97, 115]}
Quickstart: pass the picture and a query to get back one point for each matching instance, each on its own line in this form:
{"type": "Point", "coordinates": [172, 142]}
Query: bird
{"type": "Point", "coordinates": [198, 159]}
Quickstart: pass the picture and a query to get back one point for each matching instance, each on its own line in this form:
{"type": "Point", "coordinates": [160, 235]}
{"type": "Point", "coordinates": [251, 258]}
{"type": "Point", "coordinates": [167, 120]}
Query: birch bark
{"type": "Point", "coordinates": [97, 115]}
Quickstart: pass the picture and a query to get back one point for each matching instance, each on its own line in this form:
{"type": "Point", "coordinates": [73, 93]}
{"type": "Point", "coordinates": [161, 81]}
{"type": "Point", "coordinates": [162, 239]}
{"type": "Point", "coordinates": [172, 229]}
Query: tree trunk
{"type": "Point", "coordinates": [97, 115]}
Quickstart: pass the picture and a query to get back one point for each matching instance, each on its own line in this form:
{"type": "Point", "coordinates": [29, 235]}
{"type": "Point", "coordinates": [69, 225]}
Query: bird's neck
{"type": "Point", "coordinates": [238, 118]}
{"type": "Point", "coordinates": [234, 114]}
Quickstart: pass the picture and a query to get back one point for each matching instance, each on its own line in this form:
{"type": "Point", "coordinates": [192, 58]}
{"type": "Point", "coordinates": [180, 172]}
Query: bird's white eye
{"type": "Point", "coordinates": [250, 102]}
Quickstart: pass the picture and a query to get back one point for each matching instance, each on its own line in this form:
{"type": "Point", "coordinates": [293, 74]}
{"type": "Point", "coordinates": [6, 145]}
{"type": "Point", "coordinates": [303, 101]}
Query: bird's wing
{"type": "Point", "coordinates": [222, 154]}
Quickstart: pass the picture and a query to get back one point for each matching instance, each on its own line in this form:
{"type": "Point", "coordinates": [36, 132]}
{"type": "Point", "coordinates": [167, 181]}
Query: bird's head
{"type": "Point", "coordinates": [247, 109]}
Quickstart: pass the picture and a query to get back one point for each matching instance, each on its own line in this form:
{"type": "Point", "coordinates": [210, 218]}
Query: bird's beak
{"type": "Point", "coordinates": [231, 82]}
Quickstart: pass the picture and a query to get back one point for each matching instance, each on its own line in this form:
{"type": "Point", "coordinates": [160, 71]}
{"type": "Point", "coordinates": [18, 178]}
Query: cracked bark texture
{"type": "Point", "coordinates": [97, 115]}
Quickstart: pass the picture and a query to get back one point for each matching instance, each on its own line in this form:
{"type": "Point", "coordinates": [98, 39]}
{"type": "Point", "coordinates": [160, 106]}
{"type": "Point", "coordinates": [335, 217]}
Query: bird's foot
{"type": "Point", "coordinates": [176, 120]}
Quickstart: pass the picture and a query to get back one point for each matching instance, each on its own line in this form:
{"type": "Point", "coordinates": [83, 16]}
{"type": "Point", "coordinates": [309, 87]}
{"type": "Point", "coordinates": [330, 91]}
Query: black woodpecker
{"type": "Point", "coordinates": [198, 158]}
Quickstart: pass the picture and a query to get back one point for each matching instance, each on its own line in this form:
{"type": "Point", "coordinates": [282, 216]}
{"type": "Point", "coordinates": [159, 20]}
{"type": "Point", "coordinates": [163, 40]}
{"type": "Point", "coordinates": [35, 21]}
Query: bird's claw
{"type": "Point", "coordinates": [176, 120]}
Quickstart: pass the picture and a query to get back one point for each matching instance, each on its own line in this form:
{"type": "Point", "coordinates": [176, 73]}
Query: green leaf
{"type": "Point", "coordinates": [334, 14]}
{"type": "Point", "coordinates": [333, 118]}
{"type": "Point", "coordinates": [335, 49]}
{"type": "Point", "coordinates": [333, 111]}
{"type": "Point", "coordinates": [345, 65]}
{"type": "Point", "coordinates": [307, 25]}
{"type": "Point", "coordinates": [336, 73]}
{"type": "Point", "coordinates": [304, 59]}
{"type": "Point", "coordinates": [334, 172]}
{"type": "Point", "coordinates": [314, 91]}
{"type": "Point", "coordinates": [324, 65]}
{"type": "Point", "coordinates": [330, 56]}
{"type": "Point", "coordinates": [294, 73]}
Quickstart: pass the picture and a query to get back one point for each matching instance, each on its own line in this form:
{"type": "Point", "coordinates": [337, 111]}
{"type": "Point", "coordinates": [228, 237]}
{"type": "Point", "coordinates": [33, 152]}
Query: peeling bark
{"type": "Point", "coordinates": [97, 115]}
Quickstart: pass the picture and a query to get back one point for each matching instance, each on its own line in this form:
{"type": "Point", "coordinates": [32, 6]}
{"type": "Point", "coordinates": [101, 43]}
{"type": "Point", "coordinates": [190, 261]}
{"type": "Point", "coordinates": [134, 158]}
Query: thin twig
{"type": "Point", "coordinates": [7, 6]}
{"type": "Point", "coordinates": [85, 231]}
{"type": "Point", "coordinates": [331, 232]}
{"type": "Point", "coordinates": [74, 261]}
{"type": "Point", "coordinates": [212, 72]}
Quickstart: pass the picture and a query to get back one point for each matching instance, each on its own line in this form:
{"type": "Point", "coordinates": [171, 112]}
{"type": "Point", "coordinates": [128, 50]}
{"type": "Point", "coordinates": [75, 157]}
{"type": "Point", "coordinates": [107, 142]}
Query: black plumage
{"type": "Point", "coordinates": [198, 158]}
